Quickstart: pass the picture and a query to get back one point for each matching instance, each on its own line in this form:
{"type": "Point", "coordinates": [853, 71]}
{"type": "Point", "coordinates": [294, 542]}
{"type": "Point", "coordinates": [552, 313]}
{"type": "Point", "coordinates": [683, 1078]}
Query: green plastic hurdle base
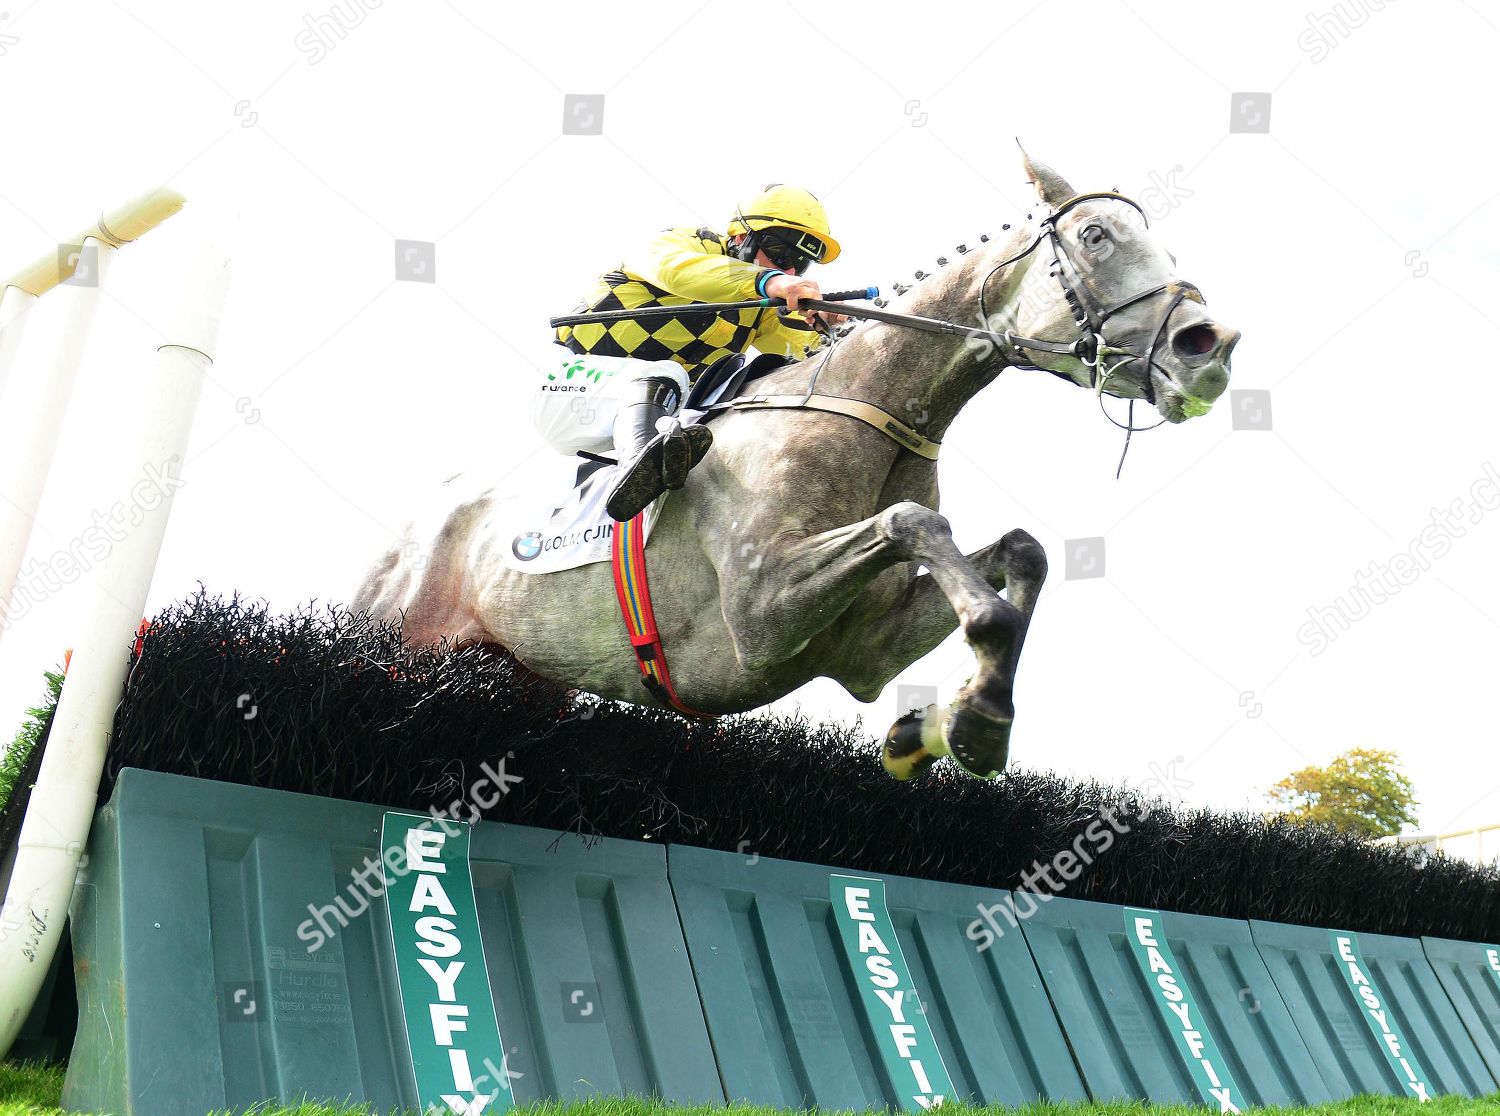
{"type": "Point", "coordinates": [618, 968]}
{"type": "Point", "coordinates": [197, 993]}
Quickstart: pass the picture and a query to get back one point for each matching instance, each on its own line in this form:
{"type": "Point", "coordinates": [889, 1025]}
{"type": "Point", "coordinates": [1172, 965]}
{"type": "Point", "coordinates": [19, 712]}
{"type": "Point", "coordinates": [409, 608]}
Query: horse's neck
{"type": "Point", "coordinates": [925, 379]}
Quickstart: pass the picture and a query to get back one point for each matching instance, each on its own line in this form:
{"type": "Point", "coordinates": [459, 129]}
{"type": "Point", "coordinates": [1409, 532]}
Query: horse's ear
{"type": "Point", "coordinates": [1051, 187]}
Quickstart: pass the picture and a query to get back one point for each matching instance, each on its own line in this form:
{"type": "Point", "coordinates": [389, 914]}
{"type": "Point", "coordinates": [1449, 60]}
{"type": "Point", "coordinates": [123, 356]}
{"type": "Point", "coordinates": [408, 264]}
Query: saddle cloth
{"type": "Point", "coordinates": [553, 515]}
{"type": "Point", "coordinates": [555, 523]}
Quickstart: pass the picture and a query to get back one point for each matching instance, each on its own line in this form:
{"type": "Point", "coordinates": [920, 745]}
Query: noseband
{"type": "Point", "coordinates": [1091, 347]}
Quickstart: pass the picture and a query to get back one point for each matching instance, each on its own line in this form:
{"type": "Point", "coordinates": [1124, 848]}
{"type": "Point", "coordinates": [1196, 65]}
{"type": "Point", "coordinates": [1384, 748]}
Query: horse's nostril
{"type": "Point", "coordinates": [1196, 340]}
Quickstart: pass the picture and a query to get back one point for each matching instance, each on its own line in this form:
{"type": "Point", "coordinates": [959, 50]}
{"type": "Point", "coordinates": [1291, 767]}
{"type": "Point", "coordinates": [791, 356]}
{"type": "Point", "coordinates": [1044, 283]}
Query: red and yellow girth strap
{"type": "Point", "coordinates": [628, 557]}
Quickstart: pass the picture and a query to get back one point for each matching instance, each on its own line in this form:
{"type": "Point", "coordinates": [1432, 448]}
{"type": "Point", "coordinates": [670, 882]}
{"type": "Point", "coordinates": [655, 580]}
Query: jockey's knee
{"type": "Point", "coordinates": [580, 394]}
{"type": "Point", "coordinates": [659, 370]}
{"type": "Point", "coordinates": [663, 391]}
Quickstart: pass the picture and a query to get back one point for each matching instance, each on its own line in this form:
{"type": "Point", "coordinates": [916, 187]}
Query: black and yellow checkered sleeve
{"type": "Point", "coordinates": [684, 263]}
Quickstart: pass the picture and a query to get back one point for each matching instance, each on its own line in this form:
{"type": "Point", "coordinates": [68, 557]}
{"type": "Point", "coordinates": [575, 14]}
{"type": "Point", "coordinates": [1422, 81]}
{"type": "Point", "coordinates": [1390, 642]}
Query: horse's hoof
{"type": "Point", "coordinates": [905, 769]}
{"type": "Point", "coordinates": [980, 744]}
{"type": "Point", "coordinates": [904, 756]}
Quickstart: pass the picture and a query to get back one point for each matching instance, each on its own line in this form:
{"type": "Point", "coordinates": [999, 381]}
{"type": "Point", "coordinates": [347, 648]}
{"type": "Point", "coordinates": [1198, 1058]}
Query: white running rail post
{"type": "Point", "coordinates": [26, 453]}
{"type": "Point", "coordinates": [61, 809]}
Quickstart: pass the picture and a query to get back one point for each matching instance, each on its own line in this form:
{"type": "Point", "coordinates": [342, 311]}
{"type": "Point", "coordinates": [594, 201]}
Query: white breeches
{"type": "Point", "coordinates": [576, 397]}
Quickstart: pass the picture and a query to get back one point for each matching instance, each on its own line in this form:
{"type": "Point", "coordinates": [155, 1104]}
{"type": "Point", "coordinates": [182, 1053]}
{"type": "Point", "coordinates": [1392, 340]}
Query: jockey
{"type": "Point", "coordinates": [772, 240]}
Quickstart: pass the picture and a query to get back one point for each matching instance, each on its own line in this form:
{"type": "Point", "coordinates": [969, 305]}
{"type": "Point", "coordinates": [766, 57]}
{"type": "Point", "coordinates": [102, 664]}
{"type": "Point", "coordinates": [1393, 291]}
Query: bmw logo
{"type": "Point", "coordinates": [527, 546]}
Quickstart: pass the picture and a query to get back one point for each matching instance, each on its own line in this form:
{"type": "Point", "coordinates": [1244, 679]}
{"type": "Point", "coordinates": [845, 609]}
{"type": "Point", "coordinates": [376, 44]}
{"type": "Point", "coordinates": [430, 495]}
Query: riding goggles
{"type": "Point", "coordinates": [791, 249]}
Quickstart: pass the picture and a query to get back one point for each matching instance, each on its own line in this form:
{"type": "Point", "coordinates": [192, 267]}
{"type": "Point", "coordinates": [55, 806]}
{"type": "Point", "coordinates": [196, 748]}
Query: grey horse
{"type": "Point", "coordinates": [793, 551]}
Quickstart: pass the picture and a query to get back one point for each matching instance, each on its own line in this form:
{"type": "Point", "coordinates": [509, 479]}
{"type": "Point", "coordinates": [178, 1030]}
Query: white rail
{"type": "Point", "coordinates": [61, 809]}
{"type": "Point", "coordinates": [27, 450]}
{"type": "Point", "coordinates": [1466, 844]}
{"type": "Point", "coordinates": [115, 227]}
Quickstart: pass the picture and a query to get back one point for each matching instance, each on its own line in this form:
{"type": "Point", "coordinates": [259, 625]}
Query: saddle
{"type": "Point", "coordinates": [720, 382]}
{"type": "Point", "coordinates": [723, 380]}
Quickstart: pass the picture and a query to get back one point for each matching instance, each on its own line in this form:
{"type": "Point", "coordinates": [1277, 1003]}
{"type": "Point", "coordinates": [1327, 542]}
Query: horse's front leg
{"type": "Point", "coordinates": [801, 587]}
{"type": "Point", "coordinates": [778, 591]}
{"type": "Point", "coordinates": [882, 645]}
{"type": "Point", "coordinates": [975, 728]}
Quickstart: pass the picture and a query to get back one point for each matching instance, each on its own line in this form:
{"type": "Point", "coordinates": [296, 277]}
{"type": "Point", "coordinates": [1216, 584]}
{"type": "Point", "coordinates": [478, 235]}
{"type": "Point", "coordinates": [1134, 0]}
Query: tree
{"type": "Point", "coordinates": [1362, 791]}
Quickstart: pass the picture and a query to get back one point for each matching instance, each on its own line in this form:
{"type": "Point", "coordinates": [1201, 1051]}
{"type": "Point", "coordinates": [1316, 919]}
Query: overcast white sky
{"type": "Point", "coordinates": [1355, 243]}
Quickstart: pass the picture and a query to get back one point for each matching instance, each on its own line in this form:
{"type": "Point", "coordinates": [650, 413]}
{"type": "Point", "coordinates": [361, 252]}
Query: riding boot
{"type": "Point", "coordinates": [652, 462]}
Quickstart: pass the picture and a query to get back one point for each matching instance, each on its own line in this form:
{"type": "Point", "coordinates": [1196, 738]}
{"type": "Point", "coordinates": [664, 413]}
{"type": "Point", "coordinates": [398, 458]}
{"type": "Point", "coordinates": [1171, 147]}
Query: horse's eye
{"type": "Point", "coordinates": [1092, 237]}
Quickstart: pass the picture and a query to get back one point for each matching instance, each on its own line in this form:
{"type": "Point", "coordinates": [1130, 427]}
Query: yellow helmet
{"type": "Point", "coordinates": [783, 206]}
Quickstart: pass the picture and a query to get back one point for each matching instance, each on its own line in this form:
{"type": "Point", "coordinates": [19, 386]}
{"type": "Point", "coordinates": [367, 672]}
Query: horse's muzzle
{"type": "Point", "coordinates": [1200, 353]}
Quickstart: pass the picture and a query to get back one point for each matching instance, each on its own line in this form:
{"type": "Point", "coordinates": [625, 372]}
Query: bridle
{"type": "Point", "coordinates": [1091, 347]}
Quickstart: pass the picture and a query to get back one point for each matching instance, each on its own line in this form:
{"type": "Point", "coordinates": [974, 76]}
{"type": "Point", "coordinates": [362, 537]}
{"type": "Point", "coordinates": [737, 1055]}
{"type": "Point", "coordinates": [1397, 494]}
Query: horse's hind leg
{"type": "Point", "coordinates": [424, 579]}
{"type": "Point", "coordinates": [383, 582]}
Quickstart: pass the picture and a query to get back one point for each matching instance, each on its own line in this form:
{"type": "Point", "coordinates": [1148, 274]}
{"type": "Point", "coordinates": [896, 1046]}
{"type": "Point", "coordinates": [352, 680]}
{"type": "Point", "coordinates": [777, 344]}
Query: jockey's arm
{"type": "Point", "coordinates": [676, 261]}
{"type": "Point", "coordinates": [786, 335]}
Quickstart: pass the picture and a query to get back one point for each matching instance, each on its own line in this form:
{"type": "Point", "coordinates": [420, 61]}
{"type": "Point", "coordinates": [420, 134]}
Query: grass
{"type": "Point", "coordinates": [32, 1090]}
{"type": "Point", "coordinates": [13, 761]}
{"type": "Point", "coordinates": [27, 1089]}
